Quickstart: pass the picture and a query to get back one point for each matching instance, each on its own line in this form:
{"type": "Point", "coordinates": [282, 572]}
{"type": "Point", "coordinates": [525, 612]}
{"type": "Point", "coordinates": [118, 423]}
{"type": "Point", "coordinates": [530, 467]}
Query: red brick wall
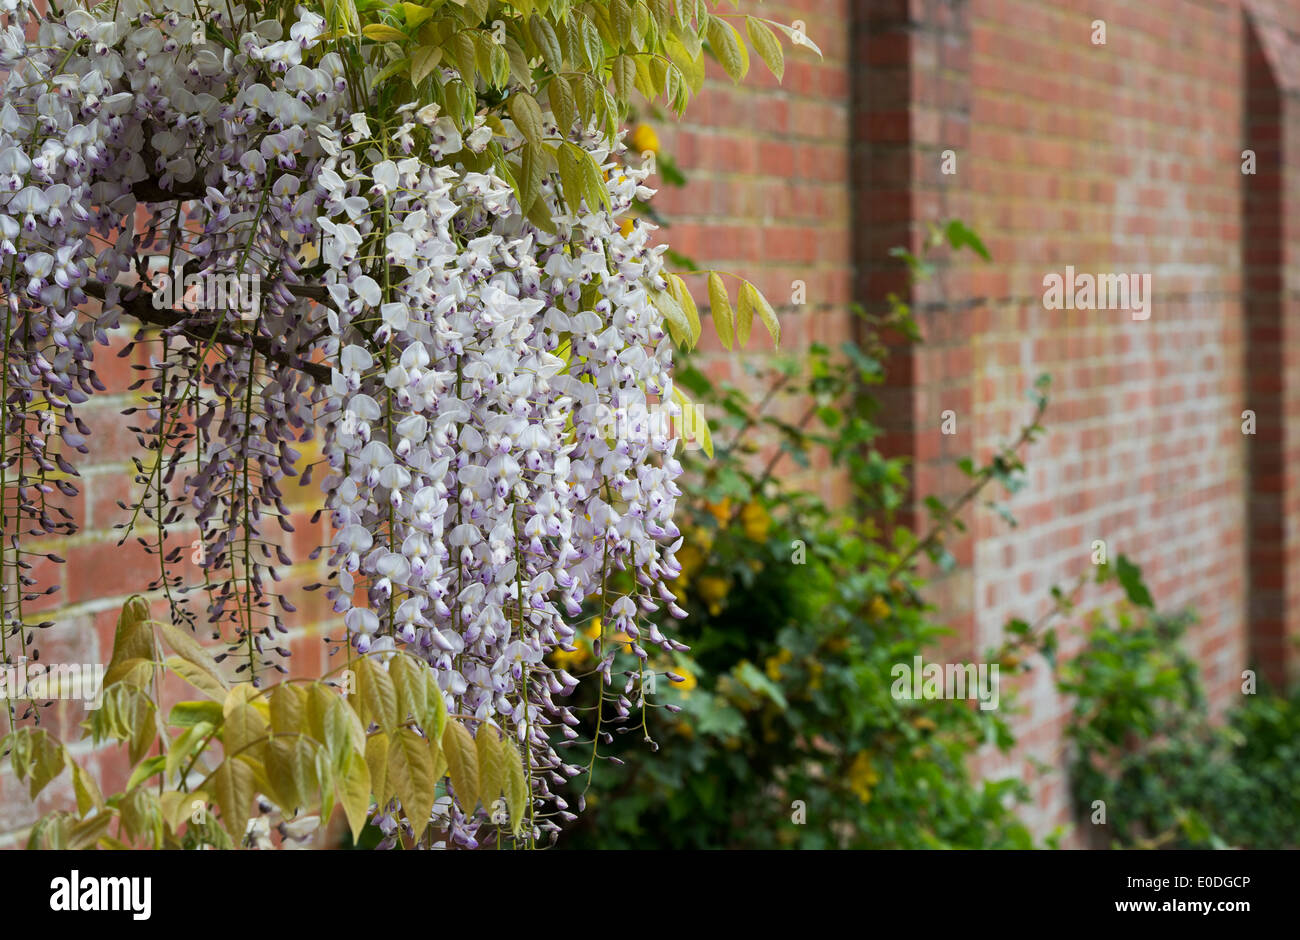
{"type": "Point", "coordinates": [1123, 157]}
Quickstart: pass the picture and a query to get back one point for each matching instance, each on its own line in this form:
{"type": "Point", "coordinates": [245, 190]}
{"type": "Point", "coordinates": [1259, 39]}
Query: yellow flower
{"type": "Point", "coordinates": [567, 660]}
{"type": "Point", "coordinates": [879, 609]}
{"type": "Point", "coordinates": [755, 521]}
{"type": "Point", "coordinates": [721, 511]}
{"type": "Point", "coordinates": [815, 670]}
{"type": "Point", "coordinates": [712, 590]}
{"type": "Point", "coordinates": [691, 559]}
{"type": "Point", "coordinates": [774, 663]}
{"type": "Point", "coordinates": [626, 226]}
{"type": "Point", "coordinates": [701, 536]}
{"type": "Point", "coordinates": [688, 680]}
{"type": "Point", "coordinates": [643, 138]}
{"type": "Point", "coordinates": [863, 776]}
{"type": "Point", "coordinates": [924, 724]}
{"type": "Point", "coordinates": [593, 631]}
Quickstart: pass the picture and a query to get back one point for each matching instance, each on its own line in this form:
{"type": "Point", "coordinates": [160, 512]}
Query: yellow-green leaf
{"type": "Point", "coordinates": [382, 33]}
{"type": "Point", "coordinates": [560, 94]}
{"type": "Point", "coordinates": [766, 45]}
{"type": "Point", "coordinates": [727, 46]}
{"type": "Point", "coordinates": [84, 787]}
{"type": "Point", "coordinates": [289, 708]}
{"type": "Point", "coordinates": [752, 299]}
{"type": "Point", "coordinates": [516, 786]}
{"type": "Point", "coordinates": [245, 732]}
{"type": "Point", "coordinates": [415, 14]}
{"type": "Point", "coordinates": [233, 790]}
{"type": "Point", "coordinates": [143, 725]}
{"type": "Point", "coordinates": [434, 721]}
{"type": "Point", "coordinates": [678, 325]}
{"type": "Point", "coordinates": [720, 308]}
{"type": "Point", "coordinates": [177, 807]}
{"type": "Point", "coordinates": [684, 299]}
{"type": "Point", "coordinates": [410, 770]}
{"type": "Point", "coordinates": [133, 638]}
{"type": "Point", "coordinates": [491, 764]}
{"type": "Point", "coordinates": [203, 681]}
{"type": "Point", "coordinates": [462, 764]}
{"type": "Point", "coordinates": [354, 794]}
{"type": "Point", "coordinates": [376, 695]}
{"type": "Point", "coordinates": [527, 115]}
{"type": "Point", "coordinates": [291, 768]}
{"type": "Point", "coordinates": [377, 762]}
{"type": "Point", "coordinates": [408, 680]}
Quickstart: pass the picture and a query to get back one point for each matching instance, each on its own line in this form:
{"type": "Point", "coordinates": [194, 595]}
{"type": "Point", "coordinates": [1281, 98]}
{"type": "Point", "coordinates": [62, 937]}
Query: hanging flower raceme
{"type": "Point", "coordinates": [487, 349]}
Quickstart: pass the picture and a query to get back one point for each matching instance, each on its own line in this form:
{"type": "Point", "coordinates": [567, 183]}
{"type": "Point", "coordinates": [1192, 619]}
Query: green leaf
{"type": "Point", "coordinates": [182, 748]}
{"type": "Point", "coordinates": [188, 714]}
{"type": "Point", "coordinates": [960, 236]}
{"type": "Point", "coordinates": [563, 105]}
{"type": "Point", "coordinates": [726, 45]}
{"type": "Point", "coordinates": [410, 770]}
{"type": "Point", "coordinates": [461, 49]}
{"type": "Point", "coordinates": [544, 35]}
{"type": "Point", "coordinates": [529, 176]}
{"type": "Point", "coordinates": [593, 47]}
{"type": "Point", "coordinates": [1130, 578]}
{"type": "Point", "coordinates": [766, 45]}
{"type": "Point", "coordinates": [624, 72]}
{"type": "Point", "coordinates": [462, 764]}
{"type": "Point", "coordinates": [527, 115]}
{"type": "Point", "coordinates": [620, 17]}
{"type": "Point", "coordinates": [720, 308]}
{"type": "Point", "coordinates": [146, 769]}
{"type": "Point", "coordinates": [423, 61]}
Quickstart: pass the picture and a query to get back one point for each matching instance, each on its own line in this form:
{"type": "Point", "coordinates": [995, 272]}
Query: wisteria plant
{"type": "Point", "coordinates": [395, 233]}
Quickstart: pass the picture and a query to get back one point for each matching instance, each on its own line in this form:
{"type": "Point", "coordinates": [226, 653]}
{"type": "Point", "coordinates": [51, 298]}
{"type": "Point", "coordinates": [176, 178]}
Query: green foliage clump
{"type": "Point", "coordinates": [1145, 745]}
